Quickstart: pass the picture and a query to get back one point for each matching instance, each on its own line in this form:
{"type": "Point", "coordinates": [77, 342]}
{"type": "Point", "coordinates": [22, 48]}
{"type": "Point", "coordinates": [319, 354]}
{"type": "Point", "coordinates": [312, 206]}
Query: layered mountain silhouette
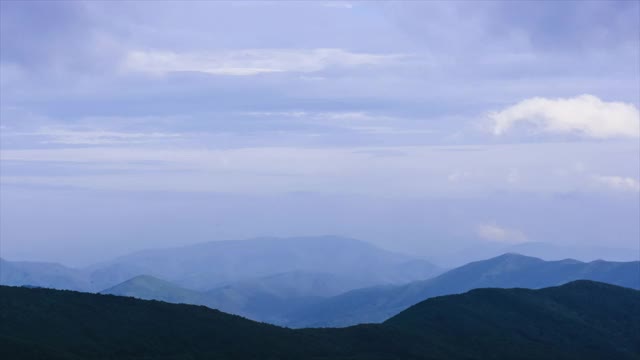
{"type": "Point", "coordinates": [267, 299]}
{"type": "Point", "coordinates": [349, 263]}
{"type": "Point", "coordinates": [304, 282]}
{"type": "Point", "coordinates": [377, 304]}
{"type": "Point", "coordinates": [541, 250]}
{"type": "Point", "coordinates": [42, 274]}
{"type": "Point", "coordinates": [289, 303]}
{"type": "Point", "coordinates": [578, 320]}
{"type": "Point", "coordinates": [214, 264]}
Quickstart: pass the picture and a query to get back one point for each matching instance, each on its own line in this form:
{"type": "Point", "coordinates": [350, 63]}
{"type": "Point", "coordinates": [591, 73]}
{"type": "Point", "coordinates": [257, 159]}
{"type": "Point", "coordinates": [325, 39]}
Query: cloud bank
{"type": "Point", "coordinates": [584, 115]}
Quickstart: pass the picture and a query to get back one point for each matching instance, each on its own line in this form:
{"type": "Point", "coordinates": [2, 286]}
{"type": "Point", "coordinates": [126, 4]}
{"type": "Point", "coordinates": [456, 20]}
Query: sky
{"type": "Point", "coordinates": [423, 127]}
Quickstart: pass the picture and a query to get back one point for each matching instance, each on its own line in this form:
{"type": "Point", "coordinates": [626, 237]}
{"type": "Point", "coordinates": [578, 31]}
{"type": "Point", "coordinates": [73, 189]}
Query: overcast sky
{"type": "Point", "coordinates": [423, 127]}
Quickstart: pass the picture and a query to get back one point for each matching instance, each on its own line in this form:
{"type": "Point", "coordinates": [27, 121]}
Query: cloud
{"type": "Point", "coordinates": [354, 121]}
{"type": "Point", "coordinates": [192, 164]}
{"type": "Point", "coordinates": [337, 4]}
{"type": "Point", "coordinates": [458, 176]}
{"type": "Point", "coordinates": [251, 61]}
{"type": "Point", "coordinates": [100, 137]}
{"type": "Point", "coordinates": [618, 183]}
{"type": "Point", "coordinates": [493, 232]}
{"type": "Point", "coordinates": [585, 115]}
{"type": "Point", "coordinates": [513, 176]}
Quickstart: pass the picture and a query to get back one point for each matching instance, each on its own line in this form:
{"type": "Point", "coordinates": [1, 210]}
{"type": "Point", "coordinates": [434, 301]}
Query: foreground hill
{"type": "Point", "coordinates": [377, 304]}
{"type": "Point", "coordinates": [583, 319]}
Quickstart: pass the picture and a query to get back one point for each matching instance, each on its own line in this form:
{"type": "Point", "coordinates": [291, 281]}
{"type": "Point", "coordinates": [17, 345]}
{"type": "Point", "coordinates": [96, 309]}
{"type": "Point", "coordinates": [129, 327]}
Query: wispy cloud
{"type": "Point", "coordinates": [585, 115]}
{"type": "Point", "coordinates": [457, 176]}
{"type": "Point", "coordinates": [337, 4]}
{"type": "Point", "coordinates": [99, 137]}
{"type": "Point", "coordinates": [252, 61]}
{"type": "Point", "coordinates": [357, 121]}
{"type": "Point", "coordinates": [618, 183]}
{"type": "Point", "coordinates": [389, 170]}
{"type": "Point", "coordinates": [493, 232]}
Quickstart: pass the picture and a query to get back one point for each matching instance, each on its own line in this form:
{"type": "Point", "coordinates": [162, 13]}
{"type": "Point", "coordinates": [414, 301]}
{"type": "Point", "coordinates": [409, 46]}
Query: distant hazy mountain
{"type": "Point", "coordinates": [151, 288]}
{"type": "Point", "coordinates": [579, 320]}
{"type": "Point", "coordinates": [214, 264]}
{"type": "Point", "coordinates": [295, 284]}
{"type": "Point", "coordinates": [266, 299]}
{"type": "Point", "coordinates": [377, 304]}
{"type": "Point", "coordinates": [42, 274]}
{"type": "Point", "coordinates": [583, 253]}
{"type": "Point", "coordinates": [311, 266]}
{"type": "Point", "coordinates": [540, 250]}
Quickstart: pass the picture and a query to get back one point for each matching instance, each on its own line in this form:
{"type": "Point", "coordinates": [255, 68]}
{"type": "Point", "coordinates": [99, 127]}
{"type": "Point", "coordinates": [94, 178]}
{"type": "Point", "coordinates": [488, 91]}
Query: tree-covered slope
{"type": "Point", "coordinates": [583, 319]}
{"type": "Point", "coordinates": [591, 319]}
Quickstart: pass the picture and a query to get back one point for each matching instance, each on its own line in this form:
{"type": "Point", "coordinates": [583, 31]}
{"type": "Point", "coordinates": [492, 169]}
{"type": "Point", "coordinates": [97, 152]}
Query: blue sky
{"type": "Point", "coordinates": [128, 125]}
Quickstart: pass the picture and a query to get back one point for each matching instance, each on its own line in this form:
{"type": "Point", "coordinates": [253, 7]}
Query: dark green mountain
{"type": "Point", "coordinates": [579, 320]}
{"type": "Point", "coordinates": [377, 304]}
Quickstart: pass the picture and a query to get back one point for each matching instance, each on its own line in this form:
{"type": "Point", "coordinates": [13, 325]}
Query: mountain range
{"type": "Point", "coordinates": [578, 320]}
{"type": "Point", "coordinates": [349, 263]}
{"type": "Point", "coordinates": [376, 304]}
{"type": "Point", "coordinates": [43, 274]}
{"type": "Point", "coordinates": [303, 282]}
{"type": "Point", "coordinates": [540, 250]}
{"type": "Point", "coordinates": [292, 307]}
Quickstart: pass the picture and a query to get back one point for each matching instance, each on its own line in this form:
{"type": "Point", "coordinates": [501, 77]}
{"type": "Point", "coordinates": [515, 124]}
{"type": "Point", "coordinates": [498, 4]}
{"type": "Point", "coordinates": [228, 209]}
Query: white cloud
{"type": "Point", "coordinates": [251, 61]}
{"type": "Point", "coordinates": [586, 115]}
{"type": "Point", "coordinates": [618, 183]}
{"type": "Point", "coordinates": [493, 232]}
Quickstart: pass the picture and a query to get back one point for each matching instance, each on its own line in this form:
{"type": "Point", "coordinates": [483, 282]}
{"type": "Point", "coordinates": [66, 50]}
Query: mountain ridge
{"type": "Point", "coordinates": [236, 260]}
{"type": "Point", "coordinates": [376, 304]}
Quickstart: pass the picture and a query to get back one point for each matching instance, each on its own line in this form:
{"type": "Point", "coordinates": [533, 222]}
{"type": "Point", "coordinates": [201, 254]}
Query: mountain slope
{"type": "Point", "coordinates": [545, 251]}
{"type": "Point", "coordinates": [532, 323]}
{"type": "Point", "coordinates": [271, 298]}
{"type": "Point", "coordinates": [377, 304]}
{"type": "Point", "coordinates": [150, 288]}
{"type": "Point", "coordinates": [583, 319]}
{"type": "Point", "coordinates": [267, 299]}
